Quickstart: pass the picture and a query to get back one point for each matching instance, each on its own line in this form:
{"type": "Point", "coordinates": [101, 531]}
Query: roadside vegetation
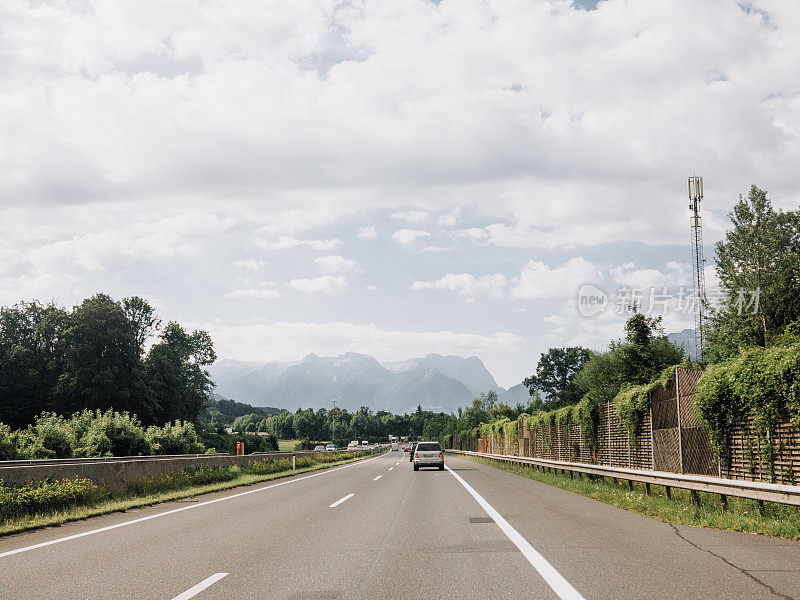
{"type": "Point", "coordinates": [88, 434]}
{"type": "Point", "coordinates": [47, 503]}
{"type": "Point", "coordinates": [741, 515]}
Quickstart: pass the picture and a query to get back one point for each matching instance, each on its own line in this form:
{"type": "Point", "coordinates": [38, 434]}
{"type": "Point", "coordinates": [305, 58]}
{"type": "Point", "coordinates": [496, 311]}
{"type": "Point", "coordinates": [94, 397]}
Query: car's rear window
{"type": "Point", "coordinates": [428, 446]}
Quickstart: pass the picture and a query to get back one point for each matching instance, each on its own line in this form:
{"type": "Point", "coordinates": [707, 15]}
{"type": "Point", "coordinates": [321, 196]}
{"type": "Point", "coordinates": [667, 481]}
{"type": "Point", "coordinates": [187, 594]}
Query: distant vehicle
{"type": "Point", "coordinates": [352, 446]}
{"type": "Point", "coordinates": [319, 448]}
{"type": "Point", "coordinates": [395, 446]}
{"type": "Point", "coordinates": [331, 448]}
{"type": "Point", "coordinates": [411, 453]}
{"type": "Point", "coordinates": [428, 454]}
{"type": "Point", "coordinates": [365, 443]}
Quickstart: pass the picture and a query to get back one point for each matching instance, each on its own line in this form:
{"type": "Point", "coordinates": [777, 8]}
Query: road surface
{"type": "Point", "coordinates": [378, 530]}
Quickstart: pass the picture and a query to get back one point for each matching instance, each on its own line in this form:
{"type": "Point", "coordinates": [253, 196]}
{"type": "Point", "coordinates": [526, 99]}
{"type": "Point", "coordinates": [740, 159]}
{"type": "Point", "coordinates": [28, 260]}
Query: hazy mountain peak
{"type": "Point", "coordinates": [353, 379]}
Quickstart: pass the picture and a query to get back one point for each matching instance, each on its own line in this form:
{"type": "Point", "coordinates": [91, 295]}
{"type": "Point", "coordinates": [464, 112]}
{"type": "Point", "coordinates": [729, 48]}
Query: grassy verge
{"type": "Point", "coordinates": [54, 503]}
{"type": "Point", "coordinates": [742, 515]}
{"type": "Point", "coordinates": [287, 445]}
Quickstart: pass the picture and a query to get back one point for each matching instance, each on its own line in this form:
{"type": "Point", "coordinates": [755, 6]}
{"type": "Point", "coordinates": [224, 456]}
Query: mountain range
{"type": "Point", "coordinates": [684, 340]}
{"type": "Point", "coordinates": [352, 380]}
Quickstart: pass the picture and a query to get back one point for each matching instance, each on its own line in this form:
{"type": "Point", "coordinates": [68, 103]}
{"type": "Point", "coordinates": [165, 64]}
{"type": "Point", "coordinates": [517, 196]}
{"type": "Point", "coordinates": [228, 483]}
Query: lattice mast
{"type": "Point", "coordinates": [698, 262]}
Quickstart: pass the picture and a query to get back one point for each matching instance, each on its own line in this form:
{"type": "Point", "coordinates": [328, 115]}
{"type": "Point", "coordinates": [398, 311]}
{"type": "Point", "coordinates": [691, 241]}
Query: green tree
{"type": "Point", "coordinates": [142, 318]}
{"type": "Point", "coordinates": [758, 265]}
{"type": "Point", "coordinates": [101, 369]}
{"type": "Point", "coordinates": [555, 376]}
{"type": "Point", "coordinates": [646, 351]}
{"type": "Point", "coordinates": [176, 376]}
{"type": "Point", "coordinates": [31, 360]}
{"type": "Point", "coordinates": [603, 374]}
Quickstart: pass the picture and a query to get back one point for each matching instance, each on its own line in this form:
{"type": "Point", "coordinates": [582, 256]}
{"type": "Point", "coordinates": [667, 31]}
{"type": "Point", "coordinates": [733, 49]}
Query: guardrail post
{"type": "Point", "coordinates": [723, 499]}
{"type": "Point", "coordinates": [668, 491]}
{"type": "Point", "coordinates": [693, 497]}
{"type": "Point", "coordinates": [761, 507]}
{"type": "Point", "coordinates": [647, 488]}
{"type": "Point", "coordinates": [294, 464]}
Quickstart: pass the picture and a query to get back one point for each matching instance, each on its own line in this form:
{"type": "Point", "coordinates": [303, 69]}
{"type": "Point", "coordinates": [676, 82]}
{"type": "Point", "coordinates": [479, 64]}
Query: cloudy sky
{"type": "Point", "coordinates": [392, 177]}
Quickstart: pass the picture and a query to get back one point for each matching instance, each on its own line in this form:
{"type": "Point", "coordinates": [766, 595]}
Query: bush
{"type": "Point", "coordinates": [8, 450]}
{"type": "Point", "coordinates": [111, 434]}
{"type": "Point", "coordinates": [47, 496]}
{"type": "Point", "coordinates": [50, 436]}
{"type": "Point", "coordinates": [179, 437]}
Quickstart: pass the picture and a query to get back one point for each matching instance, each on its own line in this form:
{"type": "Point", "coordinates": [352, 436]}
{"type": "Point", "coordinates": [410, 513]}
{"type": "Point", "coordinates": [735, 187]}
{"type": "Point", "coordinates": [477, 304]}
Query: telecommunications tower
{"type": "Point", "coordinates": [698, 262]}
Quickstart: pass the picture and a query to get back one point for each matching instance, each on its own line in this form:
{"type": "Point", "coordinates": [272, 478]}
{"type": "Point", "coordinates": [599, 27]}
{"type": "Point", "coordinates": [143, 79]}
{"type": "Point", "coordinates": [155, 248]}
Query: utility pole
{"type": "Point", "coordinates": [698, 262]}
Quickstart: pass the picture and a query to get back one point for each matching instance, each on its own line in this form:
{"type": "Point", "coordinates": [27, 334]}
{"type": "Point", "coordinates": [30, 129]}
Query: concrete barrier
{"type": "Point", "coordinates": [118, 473]}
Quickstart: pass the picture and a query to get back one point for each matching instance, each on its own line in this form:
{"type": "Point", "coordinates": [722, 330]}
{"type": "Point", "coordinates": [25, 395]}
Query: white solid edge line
{"type": "Point", "coordinates": [340, 500]}
{"type": "Point", "coordinates": [183, 508]}
{"type": "Point", "coordinates": [553, 578]}
{"type": "Point", "coordinates": [196, 589]}
{"type": "Point", "coordinates": [390, 468]}
{"type": "Point", "coordinates": [376, 478]}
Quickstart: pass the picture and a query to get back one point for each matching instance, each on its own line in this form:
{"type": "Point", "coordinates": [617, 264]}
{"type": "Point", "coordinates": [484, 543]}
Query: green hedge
{"type": "Point", "coordinates": [49, 496]}
{"type": "Point", "coordinates": [760, 386]}
{"type": "Point", "coordinates": [632, 403]}
{"type": "Point", "coordinates": [94, 433]}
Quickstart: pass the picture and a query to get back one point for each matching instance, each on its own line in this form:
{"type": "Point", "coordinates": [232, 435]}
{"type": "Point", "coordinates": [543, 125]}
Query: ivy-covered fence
{"type": "Point", "coordinates": [721, 422]}
{"type": "Point", "coordinates": [751, 403]}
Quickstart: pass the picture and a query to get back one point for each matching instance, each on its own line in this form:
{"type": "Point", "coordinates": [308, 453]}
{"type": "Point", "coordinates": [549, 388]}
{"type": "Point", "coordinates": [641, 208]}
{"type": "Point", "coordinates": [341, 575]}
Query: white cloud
{"type": "Point", "coordinates": [448, 220]}
{"type": "Point", "coordinates": [556, 319]}
{"type": "Point", "coordinates": [371, 288]}
{"type": "Point", "coordinates": [538, 280]}
{"type": "Point", "coordinates": [466, 284]}
{"type": "Point", "coordinates": [409, 236]}
{"type": "Point", "coordinates": [287, 241]}
{"type": "Point", "coordinates": [411, 216]}
{"type": "Point", "coordinates": [473, 233]}
{"type": "Point", "coordinates": [437, 249]}
{"type": "Point", "coordinates": [320, 285]}
{"type": "Point", "coordinates": [368, 232]}
{"type": "Point", "coordinates": [676, 274]}
{"type": "Point", "coordinates": [250, 264]}
{"type": "Point", "coordinates": [337, 264]}
{"type": "Point", "coordinates": [256, 294]}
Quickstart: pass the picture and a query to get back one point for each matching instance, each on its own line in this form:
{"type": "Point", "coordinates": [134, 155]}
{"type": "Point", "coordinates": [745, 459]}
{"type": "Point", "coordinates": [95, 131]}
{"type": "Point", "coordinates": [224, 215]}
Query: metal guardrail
{"type": "Point", "coordinates": [754, 490]}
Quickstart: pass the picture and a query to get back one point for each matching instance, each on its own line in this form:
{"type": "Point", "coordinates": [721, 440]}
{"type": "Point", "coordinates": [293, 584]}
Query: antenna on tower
{"type": "Point", "coordinates": [698, 262]}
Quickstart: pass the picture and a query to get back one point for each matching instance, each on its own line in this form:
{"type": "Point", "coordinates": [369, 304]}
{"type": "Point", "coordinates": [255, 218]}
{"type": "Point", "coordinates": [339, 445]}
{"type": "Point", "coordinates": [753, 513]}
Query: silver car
{"type": "Point", "coordinates": [428, 454]}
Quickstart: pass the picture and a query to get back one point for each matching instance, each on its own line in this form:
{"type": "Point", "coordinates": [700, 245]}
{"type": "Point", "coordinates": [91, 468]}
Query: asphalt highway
{"type": "Point", "coordinates": [378, 530]}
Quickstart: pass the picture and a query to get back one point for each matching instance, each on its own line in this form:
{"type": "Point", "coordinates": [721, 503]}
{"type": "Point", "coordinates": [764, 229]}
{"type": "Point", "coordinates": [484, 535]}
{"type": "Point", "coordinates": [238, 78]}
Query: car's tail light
{"type": "Point", "coordinates": [440, 455]}
{"type": "Point", "coordinates": [416, 455]}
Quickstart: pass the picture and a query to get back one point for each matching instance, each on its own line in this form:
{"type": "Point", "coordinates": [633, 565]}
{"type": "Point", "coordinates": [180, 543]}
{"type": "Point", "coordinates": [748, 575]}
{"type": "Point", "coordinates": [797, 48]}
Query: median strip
{"type": "Point", "coordinates": [340, 500]}
{"type": "Point", "coordinates": [194, 590]}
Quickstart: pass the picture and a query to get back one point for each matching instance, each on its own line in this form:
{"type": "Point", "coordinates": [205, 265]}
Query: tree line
{"type": "Point", "coordinates": [101, 354]}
